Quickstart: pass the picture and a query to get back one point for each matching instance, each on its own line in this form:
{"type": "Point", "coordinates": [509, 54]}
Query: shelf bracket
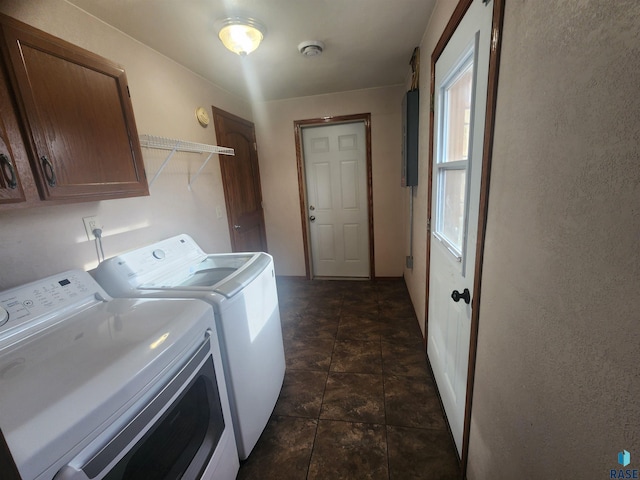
{"type": "Point", "coordinates": [193, 180]}
{"type": "Point", "coordinates": [164, 164]}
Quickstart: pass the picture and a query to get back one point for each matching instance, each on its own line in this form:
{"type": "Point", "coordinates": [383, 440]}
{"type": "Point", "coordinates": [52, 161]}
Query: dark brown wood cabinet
{"type": "Point", "coordinates": [75, 117]}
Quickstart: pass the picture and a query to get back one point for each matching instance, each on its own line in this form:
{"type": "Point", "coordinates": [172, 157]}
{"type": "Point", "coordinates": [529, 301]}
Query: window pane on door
{"type": "Point", "coordinates": [453, 159]}
{"type": "Point", "coordinates": [457, 111]}
{"type": "Point", "coordinates": [450, 225]}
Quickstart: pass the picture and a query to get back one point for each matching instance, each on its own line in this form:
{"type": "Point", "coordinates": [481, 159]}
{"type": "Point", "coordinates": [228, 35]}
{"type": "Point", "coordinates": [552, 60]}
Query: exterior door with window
{"type": "Point", "coordinates": [461, 78]}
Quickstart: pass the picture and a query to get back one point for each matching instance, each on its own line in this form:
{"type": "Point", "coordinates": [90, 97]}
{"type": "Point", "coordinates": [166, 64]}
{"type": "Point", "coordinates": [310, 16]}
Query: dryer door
{"type": "Point", "coordinates": [181, 428]}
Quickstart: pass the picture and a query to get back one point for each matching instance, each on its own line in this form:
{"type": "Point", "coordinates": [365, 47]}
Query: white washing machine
{"type": "Point", "coordinates": [92, 387]}
{"type": "Point", "coordinates": [242, 289]}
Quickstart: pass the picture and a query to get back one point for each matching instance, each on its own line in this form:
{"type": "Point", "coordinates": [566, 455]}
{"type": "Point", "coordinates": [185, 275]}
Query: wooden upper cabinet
{"type": "Point", "coordinates": [77, 118]}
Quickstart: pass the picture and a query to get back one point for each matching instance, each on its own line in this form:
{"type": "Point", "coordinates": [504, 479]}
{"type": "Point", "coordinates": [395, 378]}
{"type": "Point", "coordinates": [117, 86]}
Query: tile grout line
{"type": "Point", "coordinates": [315, 436]}
{"type": "Point", "coordinates": [384, 396]}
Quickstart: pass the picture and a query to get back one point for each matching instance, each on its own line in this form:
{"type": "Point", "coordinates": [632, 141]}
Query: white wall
{"type": "Point", "coordinates": [42, 241]}
{"type": "Point", "coordinates": [278, 169]}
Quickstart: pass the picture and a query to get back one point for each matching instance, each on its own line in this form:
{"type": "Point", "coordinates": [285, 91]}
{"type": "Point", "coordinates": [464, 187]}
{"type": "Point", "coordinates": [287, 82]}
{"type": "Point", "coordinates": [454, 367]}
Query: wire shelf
{"type": "Point", "coordinates": [163, 143]}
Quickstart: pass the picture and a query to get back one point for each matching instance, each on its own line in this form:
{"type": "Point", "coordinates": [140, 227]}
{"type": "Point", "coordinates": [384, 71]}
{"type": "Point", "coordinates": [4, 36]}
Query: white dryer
{"type": "Point", "coordinates": [242, 289]}
{"type": "Point", "coordinates": [92, 387]}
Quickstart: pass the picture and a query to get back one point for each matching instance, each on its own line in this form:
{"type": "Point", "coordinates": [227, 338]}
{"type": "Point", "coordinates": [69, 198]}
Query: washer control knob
{"type": "Point", "coordinates": [4, 316]}
{"type": "Point", "coordinates": [159, 254]}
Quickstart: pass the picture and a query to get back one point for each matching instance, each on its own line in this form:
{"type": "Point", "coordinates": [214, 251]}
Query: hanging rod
{"type": "Point", "coordinates": [163, 143]}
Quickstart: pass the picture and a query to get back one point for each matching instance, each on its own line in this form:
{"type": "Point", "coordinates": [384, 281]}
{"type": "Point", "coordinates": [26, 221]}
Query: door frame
{"type": "Point", "coordinates": [302, 184]}
{"type": "Point", "coordinates": [492, 91]}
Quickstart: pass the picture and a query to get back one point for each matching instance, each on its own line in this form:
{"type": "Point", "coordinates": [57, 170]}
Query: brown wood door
{"type": "Point", "coordinates": [241, 181]}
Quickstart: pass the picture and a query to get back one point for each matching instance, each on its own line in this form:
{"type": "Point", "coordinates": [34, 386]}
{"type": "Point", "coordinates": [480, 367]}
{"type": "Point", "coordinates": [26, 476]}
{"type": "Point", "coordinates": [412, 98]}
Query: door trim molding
{"type": "Point", "coordinates": [298, 125]}
{"type": "Point", "coordinates": [492, 91]}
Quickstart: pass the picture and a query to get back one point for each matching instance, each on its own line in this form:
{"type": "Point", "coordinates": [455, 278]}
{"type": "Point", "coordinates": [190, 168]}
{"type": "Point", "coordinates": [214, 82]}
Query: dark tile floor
{"type": "Point", "coordinates": [358, 400]}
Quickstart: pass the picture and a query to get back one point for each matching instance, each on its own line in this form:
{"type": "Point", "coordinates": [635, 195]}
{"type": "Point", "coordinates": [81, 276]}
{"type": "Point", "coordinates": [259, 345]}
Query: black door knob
{"type": "Point", "coordinates": [465, 295]}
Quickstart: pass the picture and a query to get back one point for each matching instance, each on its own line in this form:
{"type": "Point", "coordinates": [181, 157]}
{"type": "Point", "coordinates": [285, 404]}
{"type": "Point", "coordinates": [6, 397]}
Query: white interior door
{"type": "Point", "coordinates": [461, 77]}
{"type": "Point", "coordinates": [335, 164]}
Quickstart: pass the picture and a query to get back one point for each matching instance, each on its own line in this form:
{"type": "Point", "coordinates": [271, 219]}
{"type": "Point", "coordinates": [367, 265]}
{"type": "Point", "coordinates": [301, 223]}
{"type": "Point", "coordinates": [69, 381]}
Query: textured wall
{"type": "Point", "coordinates": [557, 382]}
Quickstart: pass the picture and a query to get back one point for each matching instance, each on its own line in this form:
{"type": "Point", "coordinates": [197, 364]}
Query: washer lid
{"type": "Point", "coordinates": [120, 276]}
{"type": "Point", "coordinates": [62, 387]}
{"type": "Point", "coordinates": [178, 263]}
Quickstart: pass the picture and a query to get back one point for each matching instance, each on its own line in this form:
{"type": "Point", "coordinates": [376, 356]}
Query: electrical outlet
{"type": "Point", "coordinates": [409, 260]}
{"type": "Point", "coordinates": [90, 224]}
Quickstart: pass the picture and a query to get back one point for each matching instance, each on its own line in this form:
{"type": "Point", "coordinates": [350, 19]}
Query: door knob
{"type": "Point", "coordinates": [312, 208]}
{"type": "Point", "coordinates": [237, 227]}
{"type": "Point", "coordinates": [312, 218]}
{"type": "Point", "coordinates": [465, 295]}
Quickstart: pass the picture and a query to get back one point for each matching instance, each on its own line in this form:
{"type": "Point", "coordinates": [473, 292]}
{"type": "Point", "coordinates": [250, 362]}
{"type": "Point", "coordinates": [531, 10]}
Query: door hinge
{"type": "Point", "coordinates": [255, 146]}
{"type": "Point", "coordinates": [128, 92]}
{"type": "Point", "coordinates": [428, 225]}
{"type": "Point", "coordinates": [432, 102]}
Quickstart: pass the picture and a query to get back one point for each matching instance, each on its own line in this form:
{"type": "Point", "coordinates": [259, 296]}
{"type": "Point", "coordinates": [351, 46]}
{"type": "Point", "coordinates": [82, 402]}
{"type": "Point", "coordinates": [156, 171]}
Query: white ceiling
{"type": "Point", "coordinates": [368, 43]}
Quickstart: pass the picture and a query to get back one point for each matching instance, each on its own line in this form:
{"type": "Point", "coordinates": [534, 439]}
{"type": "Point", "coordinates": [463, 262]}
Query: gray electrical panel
{"type": "Point", "coordinates": [410, 121]}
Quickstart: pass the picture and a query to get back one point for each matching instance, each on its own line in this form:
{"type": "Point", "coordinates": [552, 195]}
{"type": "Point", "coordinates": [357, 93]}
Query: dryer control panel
{"type": "Point", "coordinates": [43, 299]}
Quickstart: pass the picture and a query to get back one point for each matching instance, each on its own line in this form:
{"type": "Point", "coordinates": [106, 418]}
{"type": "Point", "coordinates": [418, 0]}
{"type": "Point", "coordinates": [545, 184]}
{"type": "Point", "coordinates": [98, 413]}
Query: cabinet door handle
{"type": "Point", "coordinates": [49, 174]}
{"type": "Point", "coordinates": [12, 179]}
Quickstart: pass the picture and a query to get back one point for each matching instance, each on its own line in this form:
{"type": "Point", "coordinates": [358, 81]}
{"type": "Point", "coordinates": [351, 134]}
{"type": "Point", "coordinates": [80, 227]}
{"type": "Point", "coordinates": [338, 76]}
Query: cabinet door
{"type": "Point", "coordinates": [10, 185]}
{"type": "Point", "coordinates": [77, 115]}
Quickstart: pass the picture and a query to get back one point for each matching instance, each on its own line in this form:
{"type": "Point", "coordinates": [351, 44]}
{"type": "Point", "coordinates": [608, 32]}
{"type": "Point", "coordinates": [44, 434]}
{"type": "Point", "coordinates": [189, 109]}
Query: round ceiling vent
{"type": "Point", "coordinates": [311, 48]}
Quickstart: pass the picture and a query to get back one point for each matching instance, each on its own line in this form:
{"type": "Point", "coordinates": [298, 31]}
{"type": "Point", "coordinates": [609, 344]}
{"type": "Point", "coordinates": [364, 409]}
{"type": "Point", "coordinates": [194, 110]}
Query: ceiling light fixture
{"type": "Point", "coordinates": [311, 48]}
{"type": "Point", "coordinates": [241, 35]}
